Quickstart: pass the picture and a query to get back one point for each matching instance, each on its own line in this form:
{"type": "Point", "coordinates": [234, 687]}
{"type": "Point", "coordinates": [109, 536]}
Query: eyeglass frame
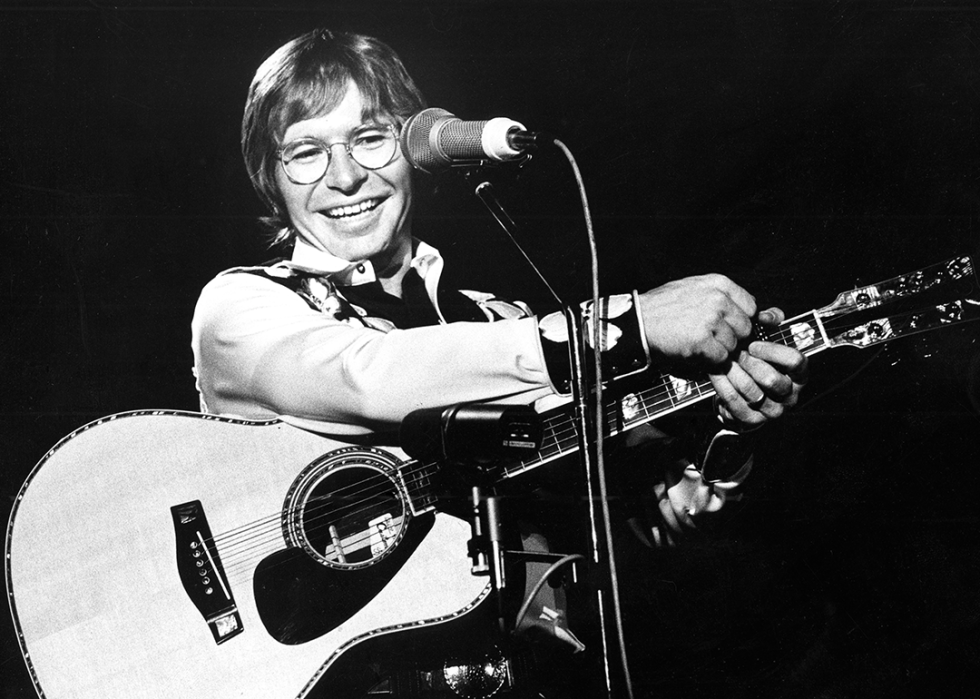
{"type": "Point", "coordinates": [328, 149]}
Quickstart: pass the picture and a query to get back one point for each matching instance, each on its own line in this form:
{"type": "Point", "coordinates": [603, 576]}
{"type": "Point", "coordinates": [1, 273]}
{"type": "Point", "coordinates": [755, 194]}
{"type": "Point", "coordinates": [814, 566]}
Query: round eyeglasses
{"type": "Point", "coordinates": [306, 160]}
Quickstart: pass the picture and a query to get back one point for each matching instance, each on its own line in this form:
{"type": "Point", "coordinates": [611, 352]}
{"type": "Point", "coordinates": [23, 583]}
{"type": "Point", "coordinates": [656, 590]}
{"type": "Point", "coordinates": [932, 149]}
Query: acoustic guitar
{"type": "Point", "coordinates": [161, 553]}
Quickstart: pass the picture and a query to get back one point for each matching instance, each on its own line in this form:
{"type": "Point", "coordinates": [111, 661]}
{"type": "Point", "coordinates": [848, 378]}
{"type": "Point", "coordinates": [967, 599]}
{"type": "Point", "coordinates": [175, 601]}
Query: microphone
{"type": "Point", "coordinates": [471, 433]}
{"type": "Point", "coordinates": [435, 140]}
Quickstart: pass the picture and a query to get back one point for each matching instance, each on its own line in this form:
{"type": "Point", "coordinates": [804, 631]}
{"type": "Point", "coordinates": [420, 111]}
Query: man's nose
{"type": "Point", "coordinates": [343, 172]}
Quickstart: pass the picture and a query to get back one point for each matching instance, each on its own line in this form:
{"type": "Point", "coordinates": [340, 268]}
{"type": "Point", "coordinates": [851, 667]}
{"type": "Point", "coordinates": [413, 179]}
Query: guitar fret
{"type": "Point", "coordinates": [550, 450]}
{"type": "Point", "coordinates": [417, 480]}
{"type": "Point", "coordinates": [805, 333]}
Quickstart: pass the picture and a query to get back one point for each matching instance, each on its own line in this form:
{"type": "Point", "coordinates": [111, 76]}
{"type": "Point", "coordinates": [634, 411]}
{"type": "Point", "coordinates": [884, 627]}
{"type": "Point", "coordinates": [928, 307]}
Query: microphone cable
{"type": "Point", "coordinates": [599, 415]}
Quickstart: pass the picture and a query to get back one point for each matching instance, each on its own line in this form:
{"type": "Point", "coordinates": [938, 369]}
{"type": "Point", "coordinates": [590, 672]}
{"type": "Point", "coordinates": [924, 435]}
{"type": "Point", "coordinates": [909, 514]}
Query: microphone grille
{"type": "Point", "coordinates": [415, 138]}
{"type": "Point", "coordinates": [462, 140]}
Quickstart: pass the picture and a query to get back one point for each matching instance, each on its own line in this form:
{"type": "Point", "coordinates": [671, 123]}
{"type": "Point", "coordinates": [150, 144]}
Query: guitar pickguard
{"type": "Point", "coordinates": [298, 599]}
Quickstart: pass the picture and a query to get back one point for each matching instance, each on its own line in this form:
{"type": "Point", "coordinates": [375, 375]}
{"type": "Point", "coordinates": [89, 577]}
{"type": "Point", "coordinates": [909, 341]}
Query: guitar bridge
{"type": "Point", "coordinates": [201, 572]}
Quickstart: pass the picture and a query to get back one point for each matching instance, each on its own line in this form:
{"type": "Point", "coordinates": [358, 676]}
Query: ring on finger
{"type": "Point", "coordinates": [756, 404]}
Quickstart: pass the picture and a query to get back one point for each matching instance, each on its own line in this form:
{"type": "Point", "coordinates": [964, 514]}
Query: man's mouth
{"type": "Point", "coordinates": [353, 209]}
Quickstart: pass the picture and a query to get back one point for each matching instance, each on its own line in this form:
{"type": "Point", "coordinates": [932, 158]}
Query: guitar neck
{"type": "Point", "coordinates": [668, 394]}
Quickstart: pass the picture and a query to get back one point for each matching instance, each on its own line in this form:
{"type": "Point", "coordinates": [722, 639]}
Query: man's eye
{"type": "Point", "coordinates": [371, 139]}
{"type": "Point", "coordinates": [305, 152]}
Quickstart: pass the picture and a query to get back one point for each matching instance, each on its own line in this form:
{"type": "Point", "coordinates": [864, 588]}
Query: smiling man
{"type": "Point", "coordinates": [353, 330]}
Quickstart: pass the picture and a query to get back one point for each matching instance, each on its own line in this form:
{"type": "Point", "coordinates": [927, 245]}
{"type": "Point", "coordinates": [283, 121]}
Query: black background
{"type": "Point", "coordinates": [799, 147]}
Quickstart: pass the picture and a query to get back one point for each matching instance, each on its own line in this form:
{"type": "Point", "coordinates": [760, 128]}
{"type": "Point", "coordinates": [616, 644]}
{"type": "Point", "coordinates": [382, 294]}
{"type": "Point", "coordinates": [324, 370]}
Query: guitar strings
{"type": "Point", "coordinates": [241, 544]}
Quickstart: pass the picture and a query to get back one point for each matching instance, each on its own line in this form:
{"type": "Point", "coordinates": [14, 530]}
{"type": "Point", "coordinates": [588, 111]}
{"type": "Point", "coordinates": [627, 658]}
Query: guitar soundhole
{"type": "Point", "coordinates": [347, 513]}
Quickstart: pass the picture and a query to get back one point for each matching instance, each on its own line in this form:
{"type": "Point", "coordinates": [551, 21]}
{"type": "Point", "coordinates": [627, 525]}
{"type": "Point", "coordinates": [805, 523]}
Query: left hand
{"type": "Point", "coordinates": [684, 498]}
{"type": "Point", "coordinates": [759, 382]}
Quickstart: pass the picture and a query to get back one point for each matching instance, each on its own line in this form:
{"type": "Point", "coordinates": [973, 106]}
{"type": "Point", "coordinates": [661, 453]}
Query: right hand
{"type": "Point", "coordinates": [699, 319]}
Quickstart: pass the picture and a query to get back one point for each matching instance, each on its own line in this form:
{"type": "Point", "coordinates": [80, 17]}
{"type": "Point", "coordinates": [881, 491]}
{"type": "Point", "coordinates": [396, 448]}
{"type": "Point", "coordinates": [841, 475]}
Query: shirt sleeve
{"type": "Point", "coordinates": [261, 351]}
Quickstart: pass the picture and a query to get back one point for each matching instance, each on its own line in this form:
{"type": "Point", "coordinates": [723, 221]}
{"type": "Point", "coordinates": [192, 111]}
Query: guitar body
{"type": "Point", "coordinates": [101, 563]}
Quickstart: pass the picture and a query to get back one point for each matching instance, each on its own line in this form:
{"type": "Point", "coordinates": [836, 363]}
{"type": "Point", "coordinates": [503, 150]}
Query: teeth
{"type": "Point", "coordinates": [353, 210]}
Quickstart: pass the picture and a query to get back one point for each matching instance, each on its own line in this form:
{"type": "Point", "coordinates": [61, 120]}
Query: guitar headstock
{"type": "Point", "coordinates": [937, 296]}
{"type": "Point", "coordinates": [956, 276]}
{"type": "Point", "coordinates": [890, 327]}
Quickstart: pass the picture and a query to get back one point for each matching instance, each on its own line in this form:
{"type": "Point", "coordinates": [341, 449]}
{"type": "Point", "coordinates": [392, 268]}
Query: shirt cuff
{"type": "Point", "coordinates": [623, 343]}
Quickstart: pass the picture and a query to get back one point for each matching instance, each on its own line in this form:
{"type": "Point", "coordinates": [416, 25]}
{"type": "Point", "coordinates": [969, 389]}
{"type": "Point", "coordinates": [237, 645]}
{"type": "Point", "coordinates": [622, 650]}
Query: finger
{"type": "Point", "coordinates": [740, 323]}
{"type": "Point", "coordinates": [759, 397]}
{"type": "Point", "coordinates": [732, 405]}
{"type": "Point", "coordinates": [668, 515]}
{"type": "Point", "coordinates": [771, 316]}
{"type": "Point", "coordinates": [790, 361]}
{"type": "Point", "coordinates": [767, 378]}
{"type": "Point", "coordinates": [715, 352]}
{"type": "Point", "coordinates": [742, 298]}
{"type": "Point", "coordinates": [746, 385]}
{"type": "Point", "coordinates": [728, 395]}
{"type": "Point", "coordinates": [725, 336]}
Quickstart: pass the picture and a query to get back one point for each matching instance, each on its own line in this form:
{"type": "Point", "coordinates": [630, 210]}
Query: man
{"type": "Point", "coordinates": [353, 331]}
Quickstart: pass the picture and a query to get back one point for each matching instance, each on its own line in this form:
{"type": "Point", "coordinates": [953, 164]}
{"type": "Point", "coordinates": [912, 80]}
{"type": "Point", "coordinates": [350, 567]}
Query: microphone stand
{"type": "Point", "coordinates": [583, 413]}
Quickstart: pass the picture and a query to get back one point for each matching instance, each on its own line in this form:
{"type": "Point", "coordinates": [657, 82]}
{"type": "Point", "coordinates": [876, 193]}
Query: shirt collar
{"type": "Point", "coordinates": [311, 259]}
